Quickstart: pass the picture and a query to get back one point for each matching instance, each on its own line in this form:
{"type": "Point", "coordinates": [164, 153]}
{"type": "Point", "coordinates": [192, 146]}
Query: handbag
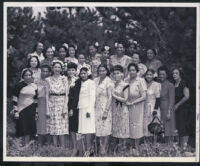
{"type": "Point", "coordinates": [156, 128]}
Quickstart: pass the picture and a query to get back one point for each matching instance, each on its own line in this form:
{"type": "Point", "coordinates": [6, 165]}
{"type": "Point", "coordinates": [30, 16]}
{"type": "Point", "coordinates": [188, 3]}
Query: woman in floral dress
{"type": "Point", "coordinates": [120, 113]}
{"type": "Point", "coordinates": [152, 101]}
{"type": "Point", "coordinates": [103, 113]}
{"type": "Point", "coordinates": [57, 105]}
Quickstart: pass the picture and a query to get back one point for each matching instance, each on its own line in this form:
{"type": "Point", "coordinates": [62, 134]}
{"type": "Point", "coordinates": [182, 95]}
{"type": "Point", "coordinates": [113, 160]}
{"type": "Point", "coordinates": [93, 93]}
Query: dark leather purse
{"type": "Point", "coordinates": [156, 128]}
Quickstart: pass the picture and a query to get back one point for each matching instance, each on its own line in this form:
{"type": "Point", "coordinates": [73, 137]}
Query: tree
{"type": "Point", "coordinates": [23, 32]}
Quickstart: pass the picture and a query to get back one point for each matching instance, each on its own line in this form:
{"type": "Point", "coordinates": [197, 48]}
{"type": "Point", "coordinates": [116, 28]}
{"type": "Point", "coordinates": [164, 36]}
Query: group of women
{"type": "Point", "coordinates": [98, 94]}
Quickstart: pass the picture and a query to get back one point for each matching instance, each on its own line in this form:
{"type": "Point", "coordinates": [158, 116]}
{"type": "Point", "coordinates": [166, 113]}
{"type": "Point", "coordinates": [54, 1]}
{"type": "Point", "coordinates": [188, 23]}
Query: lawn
{"type": "Point", "coordinates": [15, 149]}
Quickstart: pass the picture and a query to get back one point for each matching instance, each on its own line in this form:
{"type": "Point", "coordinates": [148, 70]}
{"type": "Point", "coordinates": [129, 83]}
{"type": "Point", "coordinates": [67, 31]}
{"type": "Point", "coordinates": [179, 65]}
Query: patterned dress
{"type": "Point", "coordinates": [153, 92]}
{"type": "Point", "coordinates": [120, 114]}
{"type": "Point", "coordinates": [136, 111]}
{"type": "Point", "coordinates": [167, 100]}
{"type": "Point", "coordinates": [103, 127]}
{"type": "Point", "coordinates": [124, 61]}
{"type": "Point", "coordinates": [57, 105]}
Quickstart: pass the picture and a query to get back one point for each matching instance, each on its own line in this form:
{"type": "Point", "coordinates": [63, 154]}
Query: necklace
{"type": "Point", "coordinates": [55, 78]}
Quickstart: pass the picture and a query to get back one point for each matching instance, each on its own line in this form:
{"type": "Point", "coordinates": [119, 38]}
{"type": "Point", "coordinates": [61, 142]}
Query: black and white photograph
{"type": "Point", "coordinates": [101, 82]}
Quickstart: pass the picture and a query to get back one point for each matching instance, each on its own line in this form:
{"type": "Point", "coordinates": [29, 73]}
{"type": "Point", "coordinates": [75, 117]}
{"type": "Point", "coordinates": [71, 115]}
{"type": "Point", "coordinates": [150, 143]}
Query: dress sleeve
{"type": "Point", "coordinates": [92, 95]}
{"type": "Point", "coordinates": [142, 85]}
{"type": "Point", "coordinates": [109, 90]}
{"type": "Point", "coordinates": [16, 93]}
{"type": "Point", "coordinates": [47, 95]}
{"type": "Point", "coordinates": [157, 90]}
{"type": "Point", "coordinates": [65, 109]}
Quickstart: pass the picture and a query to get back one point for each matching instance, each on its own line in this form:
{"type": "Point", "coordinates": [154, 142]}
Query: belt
{"type": "Point", "coordinates": [54, 94]}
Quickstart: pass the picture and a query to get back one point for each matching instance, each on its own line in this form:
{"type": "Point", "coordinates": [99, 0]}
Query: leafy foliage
{"type": "Point", "coordinates": [23, 32]}
{"type": "Point", "coordinates": [172, 31]}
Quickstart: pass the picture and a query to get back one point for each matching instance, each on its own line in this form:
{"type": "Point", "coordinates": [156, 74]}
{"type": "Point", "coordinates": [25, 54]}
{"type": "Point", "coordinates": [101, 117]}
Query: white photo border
{"type": "Point", "coordinates": [99, 159]}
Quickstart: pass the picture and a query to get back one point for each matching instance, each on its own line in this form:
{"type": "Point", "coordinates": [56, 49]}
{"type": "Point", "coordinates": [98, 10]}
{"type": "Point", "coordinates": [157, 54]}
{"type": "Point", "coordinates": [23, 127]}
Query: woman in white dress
{"type": "Point", "coordinates": [86, 106]}
{"type": "Point", "coordinates": [152, 101]}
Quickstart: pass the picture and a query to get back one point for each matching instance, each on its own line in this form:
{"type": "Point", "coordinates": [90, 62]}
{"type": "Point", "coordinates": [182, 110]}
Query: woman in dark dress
{"type": "Point", "coordinates": [24, 102]}
{"type": "Point", "coordinates": [182, 94]}
{"type": "Point", "coordinates": [72, 104]}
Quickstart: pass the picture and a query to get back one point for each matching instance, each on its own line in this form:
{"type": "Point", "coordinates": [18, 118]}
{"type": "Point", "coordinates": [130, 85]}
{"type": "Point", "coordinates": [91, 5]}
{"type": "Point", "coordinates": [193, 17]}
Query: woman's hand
{"type": "Point", "coordinates": [175, 107]}
{"type": "Point", "coordinates": [105, 115]}
{"type": "Point", "coordinates": [168, 115]}
{"type": "Point", "coordinates": [71, 113]}
{"type": "Point", "coordinates": [36, 116]}
{"type": "Point", "coordinates": [129, 103]}
{"type": "Point", "coordinates": [16, 115]}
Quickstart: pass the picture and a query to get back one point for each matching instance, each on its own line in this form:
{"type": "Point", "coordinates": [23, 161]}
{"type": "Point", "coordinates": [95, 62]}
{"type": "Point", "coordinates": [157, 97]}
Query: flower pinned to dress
{"type": "Point", "coordinates": [53, 48]}
{"type": "Point", "coordinates": [130, 41]}
{"type": "Point", "coordinates": [96, 44]}
{"type": "Point", "coordinates": [73, 82]}
{"type": "Point", "coordinates": [66, 45]}
{"type": "Point", "coordinates": [116, 44]}
{"type": "Point", "coordinates": [107, 48]}
{"type": "Point", "coordinates": [135, 42]}
{"type": "Point", "coordinates": [75, 46]}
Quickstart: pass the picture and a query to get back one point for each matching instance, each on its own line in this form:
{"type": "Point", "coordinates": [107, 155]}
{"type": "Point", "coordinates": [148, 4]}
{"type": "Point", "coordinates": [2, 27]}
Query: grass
{"type": "Point", "coordinates": [14, 148]}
